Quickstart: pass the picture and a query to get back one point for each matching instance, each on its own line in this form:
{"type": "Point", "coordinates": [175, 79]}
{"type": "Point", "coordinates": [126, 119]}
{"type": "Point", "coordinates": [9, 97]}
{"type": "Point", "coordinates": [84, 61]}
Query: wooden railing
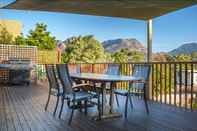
{"type": "Point", "coordinates": [173, 83]}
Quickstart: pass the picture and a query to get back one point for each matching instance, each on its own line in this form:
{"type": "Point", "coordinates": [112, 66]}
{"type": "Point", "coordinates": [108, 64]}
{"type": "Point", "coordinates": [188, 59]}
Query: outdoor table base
{"type": "Point", "coordinates": [107, 116]}
{"type": "Point", "coordinates": [107, 111]}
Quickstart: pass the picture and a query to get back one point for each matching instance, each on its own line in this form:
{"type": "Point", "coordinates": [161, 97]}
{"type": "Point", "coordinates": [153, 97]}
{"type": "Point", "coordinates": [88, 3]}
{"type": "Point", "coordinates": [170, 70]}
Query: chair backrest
{"type": "Point", "coordinates": [142, 71]}
{"type": "Point", "coordinates": [50, 71]}
{"type": "Point", "coordinates": [63, 74]}
{"type": "Point", "coordinates": [113, 69]}
{"type": "Point", "coordinates": [76, 69]}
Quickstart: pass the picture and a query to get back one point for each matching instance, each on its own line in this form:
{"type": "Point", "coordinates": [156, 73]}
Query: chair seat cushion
{"type": "Point", "coordinates": [94, 94]}
{"type": "Point", "coordinates": [125, 92]}
{"type": "Point", "coordinates": [79, 96]}
{"type": "Point", "coordinates": [121, 92]}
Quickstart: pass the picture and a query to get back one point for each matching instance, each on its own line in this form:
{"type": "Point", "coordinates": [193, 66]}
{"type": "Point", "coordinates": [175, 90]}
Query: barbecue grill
{"type": "Point", "coordinates": [19, 71]}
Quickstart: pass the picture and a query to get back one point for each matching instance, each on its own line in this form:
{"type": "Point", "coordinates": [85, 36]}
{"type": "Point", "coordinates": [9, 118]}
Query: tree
{"type": "Point", "coordinates": [120, 56]}
{"type": "Point", "coordinates": [169, 58]}
{"type": "Point", "coordinates": [20, 40]}
{"type": "Point", "coordinates": [41, 38]}
{"type": "Point", "coordinates": [162, 57]}
{"type": "Point", "coordinates": [183, 57]}
{"type": "Point", "coordinates": [5, 36]}
{"type": "Point", "coordinates": [84, 49]}
{"type": "Point", "coordinates": [194, 56]}
{"type": "Point", "coordinates": [124, 55]}
{"type": "Point", "coordinates": [136, 56]}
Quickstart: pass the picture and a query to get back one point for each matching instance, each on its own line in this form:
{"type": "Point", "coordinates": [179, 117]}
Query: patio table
{"type": "Point", "coordinates": [107, 110]}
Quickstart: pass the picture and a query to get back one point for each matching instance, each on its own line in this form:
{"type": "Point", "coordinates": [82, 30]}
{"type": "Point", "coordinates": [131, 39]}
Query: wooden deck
{"type": "Point", "coordinates": [22, 109]}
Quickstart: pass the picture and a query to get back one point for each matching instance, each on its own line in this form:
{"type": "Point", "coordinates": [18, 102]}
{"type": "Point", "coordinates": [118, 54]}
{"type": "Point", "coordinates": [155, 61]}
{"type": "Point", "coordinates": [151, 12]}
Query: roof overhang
{"type": "Point", "coordinates": [135, 9]}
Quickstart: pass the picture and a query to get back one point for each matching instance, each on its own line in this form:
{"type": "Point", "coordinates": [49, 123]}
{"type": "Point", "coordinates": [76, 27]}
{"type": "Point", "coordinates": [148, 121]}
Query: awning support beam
{"type": "Point", "coordinates": [149, 39]}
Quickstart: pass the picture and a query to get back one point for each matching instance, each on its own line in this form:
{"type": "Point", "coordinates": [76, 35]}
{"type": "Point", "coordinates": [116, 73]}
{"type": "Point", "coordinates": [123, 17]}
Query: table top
{"type": "Point", "coordinates": [104, 77]}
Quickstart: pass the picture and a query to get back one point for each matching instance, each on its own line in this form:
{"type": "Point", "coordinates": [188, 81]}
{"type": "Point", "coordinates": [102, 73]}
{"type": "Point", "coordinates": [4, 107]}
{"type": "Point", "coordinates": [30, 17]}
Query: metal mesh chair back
{"type": "Point", "coordinates": [50, 72]}
{"type": "Point", "coordinates": [142, 71]}
{"type": "Point", "coordinates": [63, 74]}
{"type": "Point", "coordinates": [76, 69]}
{"type": "Point", "coordinates": [113, 69]}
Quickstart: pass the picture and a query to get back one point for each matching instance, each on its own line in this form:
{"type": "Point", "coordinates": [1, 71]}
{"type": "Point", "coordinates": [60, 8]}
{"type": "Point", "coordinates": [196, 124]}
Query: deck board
{"type": "Point", "coordinates": [22, 109]}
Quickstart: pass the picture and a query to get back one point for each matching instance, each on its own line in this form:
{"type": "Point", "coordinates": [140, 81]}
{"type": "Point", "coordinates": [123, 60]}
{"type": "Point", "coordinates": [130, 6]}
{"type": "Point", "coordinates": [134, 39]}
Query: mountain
{"type": "Point", "coordinates": [118, 44]}
{"type": "Point", "coordinates": [184, 49]}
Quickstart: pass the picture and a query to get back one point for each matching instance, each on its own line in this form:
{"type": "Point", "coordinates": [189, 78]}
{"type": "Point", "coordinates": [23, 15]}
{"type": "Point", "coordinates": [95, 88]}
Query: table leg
{"type": "Point", "coordinates": [103, 98]}
{"type": "Point", "coordinates": [111, 97]}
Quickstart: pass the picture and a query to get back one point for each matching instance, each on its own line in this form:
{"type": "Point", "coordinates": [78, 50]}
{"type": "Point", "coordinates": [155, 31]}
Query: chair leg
{"type": "Point", "coordinates": [56, 105]}
{"type": "Point", "coordinates": [99, 108]}
{"type": "Point", "coordinates": [62, 105]}
{"type": "Point", "coordinates": [146, 103]}
{"type": "Point", "coordinates": [102, 103]}
{"type": "Point", "coordinates": [117, 100]}
{"type": "Point", "coordinates": [71, 117]}
{"type": "Point", "coordinates": [126, 106]}
{"type": "Point", "coordinates": [106, 98]}
{"type": "Point", "coordinates": [130, 100]}
{"type": "Point", "coordinates": [48, 99]}
{"type": "Point", "coordinates": [80, 104]}
{"type": "Point", "coordinates": [86, 108]}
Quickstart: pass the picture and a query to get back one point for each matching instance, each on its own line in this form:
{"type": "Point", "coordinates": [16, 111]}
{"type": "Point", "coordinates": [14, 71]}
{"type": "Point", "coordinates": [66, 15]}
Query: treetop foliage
{"type": "Point", "coordinates": [41, 38]}
{"type": "Point", "coordinates": [84, 49]}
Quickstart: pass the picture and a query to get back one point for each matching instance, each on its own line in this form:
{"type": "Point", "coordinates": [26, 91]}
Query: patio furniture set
{"type": "Point", "coordinates": [83, 90]}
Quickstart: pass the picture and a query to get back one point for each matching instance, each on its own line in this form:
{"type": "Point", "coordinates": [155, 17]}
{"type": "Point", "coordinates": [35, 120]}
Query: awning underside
{"type": "Point", "coordinates": [135, 9]}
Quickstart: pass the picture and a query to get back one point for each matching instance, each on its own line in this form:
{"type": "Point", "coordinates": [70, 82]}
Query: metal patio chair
{"type": "Point", "coordinates": [142, 71]}
{"type": "Point", "coordinates": [70, 95]}
{"type": "Point", "coordinates": [54, 88]}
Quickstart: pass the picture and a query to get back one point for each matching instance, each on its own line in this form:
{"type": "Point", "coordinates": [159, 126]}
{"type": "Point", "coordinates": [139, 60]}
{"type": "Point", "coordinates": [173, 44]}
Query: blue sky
{"type": "Point", "coordinates": [170, 31]}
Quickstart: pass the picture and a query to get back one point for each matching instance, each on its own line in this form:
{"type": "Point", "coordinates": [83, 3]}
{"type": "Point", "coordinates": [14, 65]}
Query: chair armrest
{"type": "Point", "coordinates": [138, 81]}
{"type": "Point", "coordinates": [80, 85]}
